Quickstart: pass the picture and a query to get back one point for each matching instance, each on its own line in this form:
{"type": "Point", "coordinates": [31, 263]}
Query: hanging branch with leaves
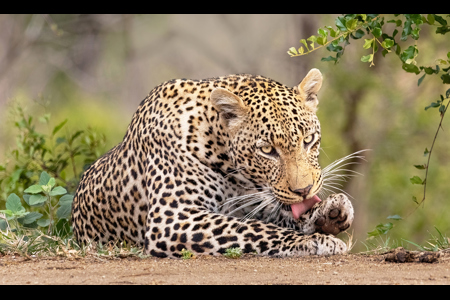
{"type": "Point", "coordinates": [371, 28]}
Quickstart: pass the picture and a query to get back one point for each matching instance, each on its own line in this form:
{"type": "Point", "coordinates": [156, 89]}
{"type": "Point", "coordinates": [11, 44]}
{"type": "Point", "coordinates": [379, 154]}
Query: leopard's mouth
{"type": "Point", "coordinates": [300, 208]}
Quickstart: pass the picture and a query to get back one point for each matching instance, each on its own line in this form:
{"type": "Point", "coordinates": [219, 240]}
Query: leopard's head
{"type": "Point", "coordinates": [274, 136]}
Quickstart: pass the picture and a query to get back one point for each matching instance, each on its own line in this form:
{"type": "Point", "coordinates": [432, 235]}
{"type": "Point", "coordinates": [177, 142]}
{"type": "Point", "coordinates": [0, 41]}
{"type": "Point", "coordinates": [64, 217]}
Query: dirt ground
{"type": "Point", "coordinates": [249, 269]}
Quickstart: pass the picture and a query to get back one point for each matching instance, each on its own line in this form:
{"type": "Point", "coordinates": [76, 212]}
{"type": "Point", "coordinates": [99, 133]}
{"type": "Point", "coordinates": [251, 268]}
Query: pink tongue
{"type": "Point", "coordinates": [299, 209]}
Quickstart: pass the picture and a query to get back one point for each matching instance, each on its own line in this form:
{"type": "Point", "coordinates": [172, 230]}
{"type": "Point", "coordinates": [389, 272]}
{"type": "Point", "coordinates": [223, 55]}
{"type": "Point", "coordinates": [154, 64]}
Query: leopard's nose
{"type": "Point", "coordinates": [303, 192]}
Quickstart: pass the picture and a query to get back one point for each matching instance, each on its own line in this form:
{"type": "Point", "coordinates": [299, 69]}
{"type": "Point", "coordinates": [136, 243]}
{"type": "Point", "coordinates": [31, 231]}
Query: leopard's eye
{"type": "Point", "coordinates": [308, 139]}
{"type": "Point", "coordinates": [266, 149]}
{"type": "Point", "coordinates": [269, 150]}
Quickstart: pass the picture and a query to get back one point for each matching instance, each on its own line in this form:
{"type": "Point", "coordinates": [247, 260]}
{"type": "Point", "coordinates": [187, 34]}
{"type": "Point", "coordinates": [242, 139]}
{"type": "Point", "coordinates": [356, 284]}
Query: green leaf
{"type": "Point", "coordinates": [59, 190]}
{"type": "Point", "coordinates": [30, 218]}
{"type": "Point", "coordinates": [45, 118]}
{"type": "Point", "coordinates": [303, 41]}
{"type": "Point", "coordinates": [433, 104]}
{"type": "Point", "coordinates": [421, 79]}
{"type": "Point", "coordinates": [334, 48]}
{"type": "Point", "coordinates": [406, 30]}
{"type": "Point", "coordinates": [64, 211]}
{"type": "Point", "coordinates": [367, 58]}
{"type": "Point", "coordinates": [43, 222]}
{"type": "Point", "coordinates": [66, 199]}
{"type": "Point", "coordinates": [368, 43]}
{"type": "Point", "coordinates": [292, 51]}
{"type": "Point", "coordinates": [416, 180]}
{"type": "Point", "coordinates": [321, 40]}
{"type": "Point", "coordinates": [395, 217]}
{"type": "Point", "coordinates": [442, 29]}
{"type": "Point", "coordinates": [75, 135]}
{"type": "Point", "coordinates": [425, 153]}
{"type": "Point", "coordinates": [44, 178]}
{"type": "Point", "coordinates": [440, 20]}
{"type": "Point", "coordinates": [387, 43]}
{"type": "Point", "coordinates": [415, 199]}
{"type": "Point", "coordinates": [34, 189]}
{"type": "Point", "coordinates": [37, 199]}
{"type": "Point", "coordinates": [333, 33]}
{"type": "Point", "coordinates": [312, 39]}
{"type": "Point", "coordinates": [410, 68]}
{"type": "Point", "coordinates": [447, 94]}
{"type": "Point", "coordinates": [430, 19]}
{"type": "Point", "coordinates": [51, 182]}
{"type": "Point", "coordinates": [59, 126]}
{"type": "Point", "coordinates": [420, 167]}
{"type": "Point", "coordinates": [358, 34]}
{"type": "Point", "coordinates": [340, 23]}
{"type": "Point", "coordinates": [445, 78]}
{"type": "Point", "coordinates": [13, 203]}
{"type": "Point", "coordinates": [322, 32]}
{"type": "Point", "coordinates": [394, 33]}
{"type": "Point", "coordinates": [329, 58]}
{"type": "Point", "coordinates": [428, 70]}
{"type": "Point", "coordinates": [351, 24]}
{"type": "Point", "coordinates": [60, 140]}
{"type": "Point", "coordinates": [415, 33]}
{"type": "Point", "coordinates": [7, 212]}
{"type": "Point", "coordinates": [3, 225]}
{"type": "Point", "coordinates": [377, 32]}
{"type": "Point", "coordinates": [381, 229]}
{"type": "Point", "coordinates": [410, 53]}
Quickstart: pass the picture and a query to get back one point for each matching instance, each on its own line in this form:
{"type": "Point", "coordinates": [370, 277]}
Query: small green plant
{"type": "Point", "coordinates": [187, 254]}
{"type": "Point", "coordinates": [64, 156]}
{"type": "Point", "coordinates": [43, 225]}
{"type": "Point", "coordinates": [436, 243]}
{"type": "Point", "coordinates": [377, 240]}
{"type": "Point", "coordinates": [233, 253]}
{"type": "Point", "coordinates": [45, 194]}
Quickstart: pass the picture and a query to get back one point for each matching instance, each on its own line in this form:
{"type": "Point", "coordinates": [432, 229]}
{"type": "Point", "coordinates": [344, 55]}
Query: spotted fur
{"type": "Point", "coordinates": [193, 144]}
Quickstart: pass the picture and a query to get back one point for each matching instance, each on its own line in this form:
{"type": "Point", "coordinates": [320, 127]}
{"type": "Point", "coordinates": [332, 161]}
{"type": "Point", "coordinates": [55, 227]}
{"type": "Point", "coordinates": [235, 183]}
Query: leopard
{"type": "Point", "coordinates": [218, 163]}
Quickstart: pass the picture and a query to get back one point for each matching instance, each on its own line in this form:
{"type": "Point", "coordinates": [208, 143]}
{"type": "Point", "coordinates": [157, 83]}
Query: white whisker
{"type": "Point", "coordinates": [257, 209]}
{"type": "Point", "coordinates": [241, 198]}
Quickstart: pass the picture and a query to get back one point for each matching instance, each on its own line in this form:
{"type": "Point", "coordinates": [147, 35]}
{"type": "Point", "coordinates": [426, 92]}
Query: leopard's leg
{"type": "Point", "coordinates": [332, 216]}
{"type": "Point", "coordinates": [204, 232]}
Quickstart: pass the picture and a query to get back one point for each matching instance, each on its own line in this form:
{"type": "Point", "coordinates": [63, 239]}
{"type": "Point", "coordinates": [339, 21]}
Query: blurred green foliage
{"type": "Point", "coordinates": [64, 155]}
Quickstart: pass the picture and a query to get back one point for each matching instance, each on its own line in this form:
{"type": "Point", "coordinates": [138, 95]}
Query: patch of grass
{"type": "Point", "coordinates": [378, 241]}
{"type": "Point", "coordinates": [437, 242]}
{"type": "Point", "coordinates": [379, 245]}
{"type": "Point", "coordinates": [233, 253]}
{"type": "Point", "coordinates": [187, 254]}
{"type": "Point", "coordinates": [114, 250]}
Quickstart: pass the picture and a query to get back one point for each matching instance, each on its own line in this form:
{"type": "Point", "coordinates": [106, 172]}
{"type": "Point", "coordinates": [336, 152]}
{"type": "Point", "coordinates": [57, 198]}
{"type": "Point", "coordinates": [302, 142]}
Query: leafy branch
{"type": "Point", "coordinates": [357, 26]}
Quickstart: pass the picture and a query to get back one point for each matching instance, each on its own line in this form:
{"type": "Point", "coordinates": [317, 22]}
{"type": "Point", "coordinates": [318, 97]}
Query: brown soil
{"type": "Point", "coordinates": [249, 269]}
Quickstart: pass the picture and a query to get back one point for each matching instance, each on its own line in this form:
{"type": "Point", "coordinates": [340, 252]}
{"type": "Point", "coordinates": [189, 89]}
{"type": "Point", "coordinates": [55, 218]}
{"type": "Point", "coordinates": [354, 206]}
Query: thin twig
{"type": "Point", "coordinates": [429, 153]}
{"type": "Point", "coordinates": [429, 157]}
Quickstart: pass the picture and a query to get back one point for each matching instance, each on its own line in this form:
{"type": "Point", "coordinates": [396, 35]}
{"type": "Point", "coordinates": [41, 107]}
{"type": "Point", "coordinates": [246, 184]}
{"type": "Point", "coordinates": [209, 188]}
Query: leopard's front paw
{"type": "Point", "coordinates": [335, 216]}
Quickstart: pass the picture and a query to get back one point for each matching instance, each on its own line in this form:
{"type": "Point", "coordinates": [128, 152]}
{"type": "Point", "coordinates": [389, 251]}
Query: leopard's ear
{"type": "Point", "coordinates": [230, 107]}
{"type": "Point", "coordinates": [309, 87]}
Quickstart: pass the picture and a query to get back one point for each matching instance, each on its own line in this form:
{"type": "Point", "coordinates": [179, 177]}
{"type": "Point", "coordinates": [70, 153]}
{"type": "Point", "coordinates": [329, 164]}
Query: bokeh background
{"type": "Point", "coordinates": [94, 70]}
